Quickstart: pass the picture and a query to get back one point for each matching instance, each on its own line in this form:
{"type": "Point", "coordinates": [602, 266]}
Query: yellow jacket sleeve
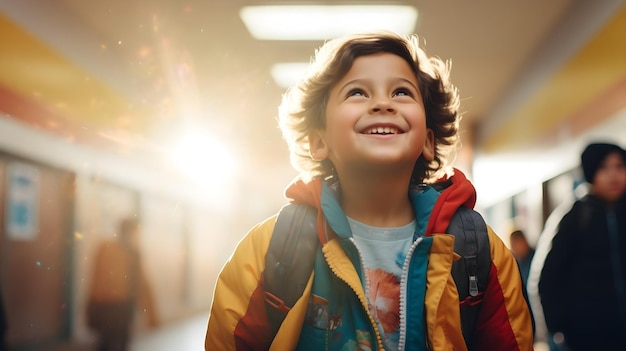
{"type": "Point", "coordinates": [236, 283]}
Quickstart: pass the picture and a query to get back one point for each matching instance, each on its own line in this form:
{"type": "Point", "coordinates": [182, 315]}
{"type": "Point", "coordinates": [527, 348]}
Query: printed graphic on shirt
{"type": "Point", "coordinates": [384, 299]}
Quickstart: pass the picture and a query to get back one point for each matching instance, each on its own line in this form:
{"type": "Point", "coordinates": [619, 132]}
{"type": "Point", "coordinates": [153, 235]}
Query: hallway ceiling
{"type": "Point", "coordinates": [132, 76]}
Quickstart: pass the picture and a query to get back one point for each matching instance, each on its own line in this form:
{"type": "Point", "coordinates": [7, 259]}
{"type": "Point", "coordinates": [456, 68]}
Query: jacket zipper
{"type": "Point", "coordinates": [403, 288]}
{"type": "Point", "coordinates": [364, 303]}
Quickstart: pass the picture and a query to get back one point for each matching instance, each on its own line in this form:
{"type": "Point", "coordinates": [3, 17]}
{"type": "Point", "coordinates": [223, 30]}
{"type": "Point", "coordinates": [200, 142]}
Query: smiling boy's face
{"type": "Point", "coordinates": [374, 117]}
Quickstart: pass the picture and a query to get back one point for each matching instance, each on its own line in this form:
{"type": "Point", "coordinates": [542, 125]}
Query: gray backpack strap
{"type": "Point", "coordinates": [471, 272]}
{"type": "Point", "coordinates": [289, 260]}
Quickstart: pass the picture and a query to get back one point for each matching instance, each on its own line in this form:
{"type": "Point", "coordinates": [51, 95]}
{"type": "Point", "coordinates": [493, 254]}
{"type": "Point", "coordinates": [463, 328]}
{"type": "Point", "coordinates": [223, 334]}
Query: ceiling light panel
{"type": "Point", "coordinates": [325, 22]}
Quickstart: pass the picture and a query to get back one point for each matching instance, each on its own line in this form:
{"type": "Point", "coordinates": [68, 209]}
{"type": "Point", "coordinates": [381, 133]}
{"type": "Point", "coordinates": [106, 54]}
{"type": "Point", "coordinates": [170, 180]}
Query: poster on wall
{"type": "Point", "coordinates": [22, 199]}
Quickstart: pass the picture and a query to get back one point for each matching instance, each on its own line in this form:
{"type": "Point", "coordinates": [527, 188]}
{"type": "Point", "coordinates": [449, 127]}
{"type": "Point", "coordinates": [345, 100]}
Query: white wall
{"type": "Point", "coordinates": [501, 176]}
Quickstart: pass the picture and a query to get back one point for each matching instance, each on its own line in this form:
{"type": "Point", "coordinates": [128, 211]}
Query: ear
{"type": "Point", "coordinates": [429, 145]}
{"type": "Point", "coordinates": [317, 147]}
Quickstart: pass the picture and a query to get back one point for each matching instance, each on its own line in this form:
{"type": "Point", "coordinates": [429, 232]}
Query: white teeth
{"type": "Point", "coordinates": [383, 130]}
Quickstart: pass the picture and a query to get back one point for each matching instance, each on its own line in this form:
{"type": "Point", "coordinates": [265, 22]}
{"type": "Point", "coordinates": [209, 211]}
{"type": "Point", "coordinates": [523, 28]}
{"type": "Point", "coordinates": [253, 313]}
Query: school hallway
{"type": "Point", "coordinates": [186, 335]}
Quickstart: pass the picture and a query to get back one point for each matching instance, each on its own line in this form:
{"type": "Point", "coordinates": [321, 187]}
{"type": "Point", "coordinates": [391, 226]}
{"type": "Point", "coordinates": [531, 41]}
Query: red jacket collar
{"type": "Point", "coordinates": [459, 192]}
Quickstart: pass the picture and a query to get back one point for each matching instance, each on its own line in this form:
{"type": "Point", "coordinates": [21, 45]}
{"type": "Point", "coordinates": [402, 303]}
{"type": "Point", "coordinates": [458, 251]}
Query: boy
{"type": "Point", "coordinates": [582, 283]}
{"type": "Point", "coordinates": [369, 125]}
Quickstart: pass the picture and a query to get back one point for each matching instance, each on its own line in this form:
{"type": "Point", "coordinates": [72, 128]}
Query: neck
{"type": "Point", "coordinates": [377, 200]}
{"type": "Point", "coordinates": [609, 203]}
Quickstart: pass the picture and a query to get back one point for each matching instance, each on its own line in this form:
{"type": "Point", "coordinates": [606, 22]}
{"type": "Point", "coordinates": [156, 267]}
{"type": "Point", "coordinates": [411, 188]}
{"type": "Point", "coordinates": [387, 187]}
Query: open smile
{"type": "Point", "coordinates": [380, 130]}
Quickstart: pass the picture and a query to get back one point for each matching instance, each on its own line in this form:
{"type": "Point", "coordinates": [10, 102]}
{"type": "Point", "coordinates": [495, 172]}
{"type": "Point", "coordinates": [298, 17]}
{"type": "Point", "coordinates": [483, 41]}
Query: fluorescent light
{"type": "Point", "coordinates": [289, 73]}
{"type": "Point", "coordinates": [325, 22]}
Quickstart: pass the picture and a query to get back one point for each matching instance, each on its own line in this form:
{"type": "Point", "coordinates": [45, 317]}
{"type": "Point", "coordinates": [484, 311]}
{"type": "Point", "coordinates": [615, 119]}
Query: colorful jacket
{"type": "Point", "coordinates": [238, 320]}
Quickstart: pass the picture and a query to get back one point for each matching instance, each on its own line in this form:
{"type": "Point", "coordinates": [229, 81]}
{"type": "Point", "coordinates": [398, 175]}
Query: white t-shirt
{"type": "Point", "coordinates": [383, 251]}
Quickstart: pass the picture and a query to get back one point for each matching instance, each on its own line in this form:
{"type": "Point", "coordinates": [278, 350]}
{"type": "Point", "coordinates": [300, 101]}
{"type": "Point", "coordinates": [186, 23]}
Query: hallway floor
{"type": "Point", "coordinates": [187, 335]}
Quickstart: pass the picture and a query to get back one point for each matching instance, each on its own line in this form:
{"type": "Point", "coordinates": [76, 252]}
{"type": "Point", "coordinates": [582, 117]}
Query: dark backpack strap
{"type": "Point", "coordinates": [471, 272]}
{"type": "Point", "coordinates": [291, 256]}
{"type": "Point", "coordinates": [289, 260]}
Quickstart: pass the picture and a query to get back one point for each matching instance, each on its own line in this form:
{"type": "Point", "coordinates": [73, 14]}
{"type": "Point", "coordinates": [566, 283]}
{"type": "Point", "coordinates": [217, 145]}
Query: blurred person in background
{"type": "Point", "coordinates": [583, 278]}
{"type": "Point", "coordinates": [543, 340]}
{"type": "Point", "coordinates": [523, 253]}
{"type": "Point", "coordinates": [119, 287]}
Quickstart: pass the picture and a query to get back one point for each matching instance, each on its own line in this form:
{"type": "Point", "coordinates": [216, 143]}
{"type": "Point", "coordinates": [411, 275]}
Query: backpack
{"type": "Point", "coordinates": [294, 243]}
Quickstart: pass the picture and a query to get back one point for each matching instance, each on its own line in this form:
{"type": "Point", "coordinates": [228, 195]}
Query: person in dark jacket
{"type": "Point", "coordinates": [582, 284]}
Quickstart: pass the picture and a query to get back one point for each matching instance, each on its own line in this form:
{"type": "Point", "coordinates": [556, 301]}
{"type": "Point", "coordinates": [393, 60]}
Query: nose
{"type": "Point", "coordinates": [382, 104]}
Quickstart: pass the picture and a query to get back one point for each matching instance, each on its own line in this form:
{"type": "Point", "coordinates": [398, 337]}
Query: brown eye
{"type": "Point", "coordinates": [356, 92]}
{"type": "Point", "coordinates": [402, 92]}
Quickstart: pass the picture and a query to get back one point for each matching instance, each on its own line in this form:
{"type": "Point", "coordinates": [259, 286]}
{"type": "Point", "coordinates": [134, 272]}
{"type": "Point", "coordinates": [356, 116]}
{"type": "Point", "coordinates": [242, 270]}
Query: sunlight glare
{"type": "Point", "coordinates": [204, 159]}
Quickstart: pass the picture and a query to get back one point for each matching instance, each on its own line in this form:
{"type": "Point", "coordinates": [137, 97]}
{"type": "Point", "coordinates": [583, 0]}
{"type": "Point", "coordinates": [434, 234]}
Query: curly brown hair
{"type": "Point", "coordinates": [303, 106]}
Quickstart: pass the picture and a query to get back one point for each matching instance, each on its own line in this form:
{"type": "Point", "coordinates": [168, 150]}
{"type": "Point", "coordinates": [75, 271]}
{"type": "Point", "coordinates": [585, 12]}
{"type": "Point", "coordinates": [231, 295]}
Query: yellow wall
{"type": "Point", "coordinates": [594, 72]}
